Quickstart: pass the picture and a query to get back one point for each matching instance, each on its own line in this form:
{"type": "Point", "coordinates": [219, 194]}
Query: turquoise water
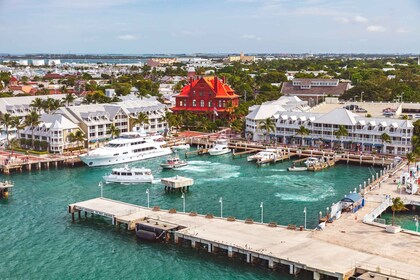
{"type": "Point", "coordinates": [38, 239]}
{"type": "Point", "coordinates": [405, 219]}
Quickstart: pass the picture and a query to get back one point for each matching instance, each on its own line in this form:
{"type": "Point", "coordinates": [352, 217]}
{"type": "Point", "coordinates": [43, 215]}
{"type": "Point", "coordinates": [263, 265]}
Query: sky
{"type": "Point", "coordinates": [216, 26]}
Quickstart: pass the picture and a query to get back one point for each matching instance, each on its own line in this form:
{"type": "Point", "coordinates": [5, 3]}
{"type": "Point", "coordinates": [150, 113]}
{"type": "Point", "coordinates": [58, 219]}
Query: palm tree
{"type": "Point", "coordinates": [114, 131]}
{"type": "Point", "coordinates": [18, 124]}
{"type": "Point", "coordinates": [32, 120]}
{"type": "Point", "coordinates": [79, 137]}
{"type": "Point", "coordinates": [140, 119]}
{"type": "Point", "coordinates": [397, 206]}
{"type": "Point", "coordinates": [7, 121]}
{"type": "Point", "coordinates": [411, 157]}
{"type": "Point", "coordinates": [37, 104]}
{"type": "Point", "coordinates": [385, 138]}
{"type": "Point", "coordinates": [341, 132]}
{"type": "Point", "coordinates": [267, 125]}
{"type": "Point", "coordinates": [69, 98]}
{"type": "Point", "coordinates": [302, 131]}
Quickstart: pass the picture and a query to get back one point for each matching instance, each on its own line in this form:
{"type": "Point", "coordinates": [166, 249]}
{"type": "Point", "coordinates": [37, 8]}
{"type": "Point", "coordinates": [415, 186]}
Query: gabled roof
{"type": "Point", "coordinates": [338, 116]}
{"type": "Point", "coordinates": [220, 89]}
{"type": "Point", "coordinates": [264, 111]}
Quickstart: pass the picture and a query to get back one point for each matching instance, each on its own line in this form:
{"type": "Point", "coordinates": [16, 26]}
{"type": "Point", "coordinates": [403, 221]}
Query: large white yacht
{"type": "Point", "coordinates": [130, 146]}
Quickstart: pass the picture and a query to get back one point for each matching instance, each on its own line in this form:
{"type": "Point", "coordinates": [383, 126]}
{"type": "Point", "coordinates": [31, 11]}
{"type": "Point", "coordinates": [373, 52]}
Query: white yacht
{"type": "Point", "coordinates": [129, 175]}
{"type": "Point", "coordinates": [220, 148]}
{"type": "Point", "coordinates": [181, 147]}
{"type": "Point", "coordinates": [130, 146]}
{"type": "Point", "coordinates": [311, 161]}
{"type": "Point", "coordinates": [265, 155]}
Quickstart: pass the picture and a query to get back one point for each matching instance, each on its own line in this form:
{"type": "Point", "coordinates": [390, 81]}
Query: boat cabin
{"type": "Point", "coordinates": [131, 173]}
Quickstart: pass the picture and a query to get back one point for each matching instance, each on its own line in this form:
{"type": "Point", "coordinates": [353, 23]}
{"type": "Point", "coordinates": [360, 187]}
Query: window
{"type": "Point", "coordinates": [181, 103]}
{"type": "Point", "coordinates": [220, 103]}
{"type": "Point", "coordinates": [201, 93]}
{"type": "Point", "coordinates": [194, 103]}
{"type": "Point", "coordinates": [210, 103]}
{"type": "Point", "coordinates": [201, 103]}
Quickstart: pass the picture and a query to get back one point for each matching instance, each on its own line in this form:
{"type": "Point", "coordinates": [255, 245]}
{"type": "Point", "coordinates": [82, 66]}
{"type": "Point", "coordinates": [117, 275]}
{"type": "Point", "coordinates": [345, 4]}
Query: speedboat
{"type": "Point", "coordinates": [129, 175]}
{"type": "Point", "coordinates": [181, 147]}
{"type": "Point", "coordinates": [266, 155]}
{"type": "Point", "coordinates": [129, 147]}
{"type": "Point", "coordinates": [173, 162]}
{"type": "Point", "coordinates": [220, 148]}
{"type": "Point", "coordinates": [311, 161]}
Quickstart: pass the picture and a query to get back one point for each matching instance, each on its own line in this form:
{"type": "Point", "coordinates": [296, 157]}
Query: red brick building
{"type": "Point", "coordinates": [206, 95]}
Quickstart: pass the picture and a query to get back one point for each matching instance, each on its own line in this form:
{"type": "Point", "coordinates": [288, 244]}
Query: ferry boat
{"type": "Point", "coordinates": [220, 148]}
{"type": "Point", "coordinates": [173, 162]}
{"type": "Point", "coordinates": [129, 147]}
{"type": "Point", "coordinates": [129, 175]}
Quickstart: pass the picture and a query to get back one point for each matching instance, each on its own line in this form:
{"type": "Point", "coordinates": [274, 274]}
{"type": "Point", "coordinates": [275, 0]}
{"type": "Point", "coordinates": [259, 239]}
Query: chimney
{"type": "Point", "coordinates": [224, 79]}
{"type": "Point", "coordinates": [191, 81]}
{"type": "Point", "coordinates": [215, 84]}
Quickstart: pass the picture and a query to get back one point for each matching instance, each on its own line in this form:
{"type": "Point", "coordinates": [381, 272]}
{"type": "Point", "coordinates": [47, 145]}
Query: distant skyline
{"type": "Point", "coordinates": [218, 26]}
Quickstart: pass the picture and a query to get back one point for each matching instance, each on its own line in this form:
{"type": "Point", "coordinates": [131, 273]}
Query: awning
{"type": "Point", "coordinates": [352, 197]}
{"type": "Point", "coordinates": [378, 145]}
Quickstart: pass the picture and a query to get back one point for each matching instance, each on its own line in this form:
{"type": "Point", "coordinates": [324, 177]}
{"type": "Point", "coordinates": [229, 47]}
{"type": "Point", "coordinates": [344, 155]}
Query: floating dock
{"type": "Point", "coordinates": [266, 244]}
{"type": "Point", "coordinates": [177, 183]}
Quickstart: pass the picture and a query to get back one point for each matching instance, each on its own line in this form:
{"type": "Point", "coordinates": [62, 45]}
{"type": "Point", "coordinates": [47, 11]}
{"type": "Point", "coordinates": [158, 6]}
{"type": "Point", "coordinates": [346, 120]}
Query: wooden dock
{"type": "Point", "coordinates": [268, 244]}
{"type": "Point", "coordinates": [177, 183]}
{"type": "Point", "coordinates": [38, 164]}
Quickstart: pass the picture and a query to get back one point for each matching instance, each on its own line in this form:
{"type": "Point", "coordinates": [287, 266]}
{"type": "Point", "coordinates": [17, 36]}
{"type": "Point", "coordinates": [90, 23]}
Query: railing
{"type": "Point", "coordinates": [369, 218]}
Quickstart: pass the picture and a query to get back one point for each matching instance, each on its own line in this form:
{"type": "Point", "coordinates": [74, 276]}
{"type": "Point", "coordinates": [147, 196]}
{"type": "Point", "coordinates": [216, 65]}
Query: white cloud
{"type": "Point", "coordinates": [360, 19]}
{"type": "Point", "coordinates": [250, 37]}
{"type": "Point", "coordinates": [127, 37]}
{"type": "Point", "coordinates": [376, 28]}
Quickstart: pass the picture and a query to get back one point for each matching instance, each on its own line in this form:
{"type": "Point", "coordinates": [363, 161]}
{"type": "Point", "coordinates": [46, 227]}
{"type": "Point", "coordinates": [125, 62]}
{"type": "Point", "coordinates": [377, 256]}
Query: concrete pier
{"type": "Point", "coordinates": [256, 242]}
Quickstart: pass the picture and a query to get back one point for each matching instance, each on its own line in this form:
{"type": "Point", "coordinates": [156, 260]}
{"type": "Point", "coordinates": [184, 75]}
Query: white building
{"type": "Point", "coordinates": [364, 134]}
{"type": "Point", "coordinates": [52, 133]}
{"type": "Point", "coordinates": [38, 62]}
{"type": "Point", "coordinates": [54, 62]}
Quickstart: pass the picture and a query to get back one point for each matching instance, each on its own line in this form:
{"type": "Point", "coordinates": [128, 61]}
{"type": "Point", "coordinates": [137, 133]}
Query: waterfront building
{"type": "Point", "coordinates": [21, 105]}
{"type": "Point", "coordinates": [206, 95]}
{"type": "Point", "coordinates": [314, 90]}
{"type": "Point", "coordinates": [52, 133]}
{"type": "Point", "coordinates": [364, 133]}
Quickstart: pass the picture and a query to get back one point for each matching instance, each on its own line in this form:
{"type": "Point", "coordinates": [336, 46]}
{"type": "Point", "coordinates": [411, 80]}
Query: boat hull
{"type": "Point", "coordinates": [219, 152]}
{"type": "Point", "coordinates": [297, 169]}
{"type": "Point", "coordinates": [173, 166]}
{"type": "Point", "coordinates": [133, 180]}
{"type": "Point", "coordinates": [93, 161]}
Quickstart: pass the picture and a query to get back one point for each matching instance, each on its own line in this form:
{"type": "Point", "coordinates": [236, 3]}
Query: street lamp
{"type": "Point", "coordinates": [328, 211]}
{"type": "Point", "coordinates": [416, 218]}
{"type": "Point", "coordinates": [102, 189]}
{"type": "Point", "coordinates": [262, 211]}
{"type": "Point", "coordinates": [148, 198]}
{"type": "Point", "coordinates": [221, 207]}
{"type": "Point", "coordinates": [361, 96]}
{"type": "Point", "coordinates": [304, 212]}
{"type": "Point", "coordinates": [183, 202]}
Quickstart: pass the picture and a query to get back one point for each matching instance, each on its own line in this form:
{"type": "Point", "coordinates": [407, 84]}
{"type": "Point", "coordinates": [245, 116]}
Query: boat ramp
{"type": "Point", "coordinates": [285, 248]}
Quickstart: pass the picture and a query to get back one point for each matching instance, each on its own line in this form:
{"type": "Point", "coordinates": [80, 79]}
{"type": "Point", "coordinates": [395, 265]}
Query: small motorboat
{"type": "Point", "coordinates": [181, 147]}
{"type": "Point", "coordinates": [220, 148]}
{"type": "Point", "coordinates": [129, 175]}
{"type": "Point", "coordinates": [173, 162]}
{"type": "Point", "coordinates": [297, 168]}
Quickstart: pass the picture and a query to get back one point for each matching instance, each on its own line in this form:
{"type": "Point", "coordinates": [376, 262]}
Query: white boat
{"type": "Point", "coordinates": [129, 147]}
{"type": "Point", "coordinates": [297, 168]}
{"type": "Point", "coordinates": [220, 148]}
{"type": "Point", "coordinates": [181, 147]}
{"type": "Point", "coordinates": [174, 162]}
{"type": "Point", "coordinates": [311, 161]}
{"type": "Point", "coordinates": [265, 155]}
{"type": "Point", "coordinates": [129, 175]}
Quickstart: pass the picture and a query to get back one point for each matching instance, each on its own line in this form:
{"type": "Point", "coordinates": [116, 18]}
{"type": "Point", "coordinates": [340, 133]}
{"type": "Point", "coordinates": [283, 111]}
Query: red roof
{"type": "Point", "coordinates": [221, 89]}
{"type": "Point", "coordinates": [13, 79]}
{"type": "Point", "coordinates": [53, 76]}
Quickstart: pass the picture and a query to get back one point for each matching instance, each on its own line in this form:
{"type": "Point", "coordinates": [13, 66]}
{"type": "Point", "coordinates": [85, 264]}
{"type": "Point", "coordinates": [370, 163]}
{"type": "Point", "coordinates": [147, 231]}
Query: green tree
{"type": "Point", "coordinates": [37, 104]}
{"type": "Point", "coordinates": [32, 120]}
{"type": "Point", "coordinates": [411, 157]}
{"type": "Point", "coordinates": [141, 119]}
{"type": "Point", "coordinates": [341, 132]}
{"type": "Point", "coordinates": [397, 206]}
{"type": "Point", "coordinates": [79, 137]}
{"type": "Point", "coordinates": [114, 131]}
{"type": "Point", "coordinates": [69, 98]}
{"type": "Point", "coordinates": [7, 121]}
{"type": "Point", "coordinates": [268, 125]}
{"type": "Point", "coordinates": [302, 131]}
{"type": "Point", "coordinates": [385, 138]}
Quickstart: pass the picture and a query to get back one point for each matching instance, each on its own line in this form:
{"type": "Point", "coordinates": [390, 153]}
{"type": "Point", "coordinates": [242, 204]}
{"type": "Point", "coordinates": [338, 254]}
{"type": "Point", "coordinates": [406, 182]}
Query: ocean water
{"type": "Point", "coordinates": [39, 241]}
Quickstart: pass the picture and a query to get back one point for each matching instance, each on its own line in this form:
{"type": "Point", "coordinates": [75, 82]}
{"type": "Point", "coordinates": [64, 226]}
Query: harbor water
{"type": "Point", "coordinates": [39, 241]}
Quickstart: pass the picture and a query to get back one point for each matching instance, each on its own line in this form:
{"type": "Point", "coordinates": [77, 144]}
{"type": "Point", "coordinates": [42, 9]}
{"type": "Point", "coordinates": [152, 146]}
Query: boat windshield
{"type": "Point", "coordinates": [111, 145]}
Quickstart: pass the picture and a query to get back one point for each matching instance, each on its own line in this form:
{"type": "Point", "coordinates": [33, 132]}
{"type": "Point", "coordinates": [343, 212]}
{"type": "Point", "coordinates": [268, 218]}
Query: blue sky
{"type": "Point", "coordinates": [217, 26]}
